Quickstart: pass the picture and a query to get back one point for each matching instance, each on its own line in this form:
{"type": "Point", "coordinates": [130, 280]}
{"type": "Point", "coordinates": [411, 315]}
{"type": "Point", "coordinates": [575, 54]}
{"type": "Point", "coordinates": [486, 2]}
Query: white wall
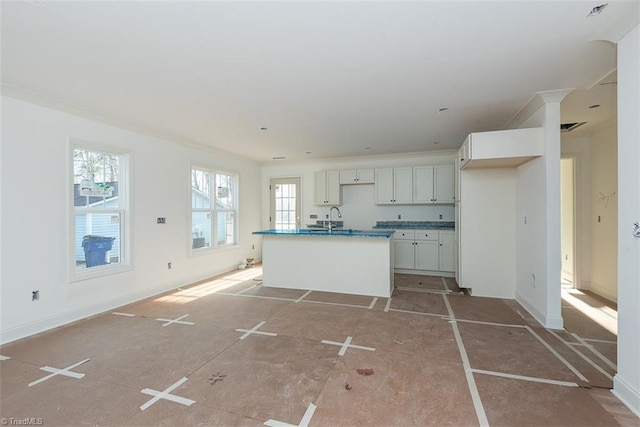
{"type": "Point", "coordinates": [35, 218]}
{"type": "Point", "coordinates": [604, 213]}
{"type": "Point", "coordinates": [358, 201]}
{"type": "Point", "coordinates": [596, 240]}
{"type": "Point", "coordinates": [626, 383]}
{"type": "Point", "coordinates": [487, 232]}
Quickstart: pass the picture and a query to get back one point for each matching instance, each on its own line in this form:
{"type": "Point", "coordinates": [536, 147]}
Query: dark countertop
{"type": "Point", "coordinates": [415, 225]}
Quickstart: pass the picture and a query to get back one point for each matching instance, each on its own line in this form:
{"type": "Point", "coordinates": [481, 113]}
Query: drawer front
{"type": "Point", "coordinates": [427, 235]}
{"type": "Point", "coordinates": [404, 235]}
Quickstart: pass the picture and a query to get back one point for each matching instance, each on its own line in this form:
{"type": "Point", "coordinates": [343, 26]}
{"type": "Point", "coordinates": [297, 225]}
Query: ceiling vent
{"type": "Point", "coordinates": [568, 127]}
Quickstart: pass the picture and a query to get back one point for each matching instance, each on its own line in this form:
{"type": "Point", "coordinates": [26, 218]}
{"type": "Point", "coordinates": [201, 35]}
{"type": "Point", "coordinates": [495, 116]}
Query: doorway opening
{"type": "Point", "coordinates": [568, 222]}
{"type": "Point", "coordinates": [285, 203]}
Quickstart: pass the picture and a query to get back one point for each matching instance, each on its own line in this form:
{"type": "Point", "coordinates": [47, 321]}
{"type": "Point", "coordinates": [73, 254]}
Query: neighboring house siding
{"type": "Point", "coordinates": [202, 226]}
{"type": "Point", "coordinates": [100, 226]}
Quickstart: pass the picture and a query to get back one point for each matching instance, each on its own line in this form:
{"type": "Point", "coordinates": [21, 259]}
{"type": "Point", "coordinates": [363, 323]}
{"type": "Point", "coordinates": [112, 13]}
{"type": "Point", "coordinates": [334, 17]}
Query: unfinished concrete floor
{"type": "Point", "coordinates": [227, 352]}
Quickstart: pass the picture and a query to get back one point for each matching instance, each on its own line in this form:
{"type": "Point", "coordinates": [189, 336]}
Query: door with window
{"type": "Point", "coordinates": [285, 203]}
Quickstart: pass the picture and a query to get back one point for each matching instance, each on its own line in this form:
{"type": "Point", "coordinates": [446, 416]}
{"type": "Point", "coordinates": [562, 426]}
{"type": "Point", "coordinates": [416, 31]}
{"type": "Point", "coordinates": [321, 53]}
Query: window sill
{"type": "Point", "coordinates": [97, 272]}
{"type": "Point", "coordinates": [205, 251]}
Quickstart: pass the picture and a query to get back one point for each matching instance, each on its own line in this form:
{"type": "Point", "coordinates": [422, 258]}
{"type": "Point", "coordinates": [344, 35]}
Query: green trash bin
{"type": "Point", "coordinates": [95, 249]}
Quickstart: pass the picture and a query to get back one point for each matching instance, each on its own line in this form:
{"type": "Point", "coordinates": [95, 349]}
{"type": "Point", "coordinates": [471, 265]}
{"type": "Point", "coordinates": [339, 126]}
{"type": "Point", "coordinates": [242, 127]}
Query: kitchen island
{"type": "Point", "coordinates": [343, 261]}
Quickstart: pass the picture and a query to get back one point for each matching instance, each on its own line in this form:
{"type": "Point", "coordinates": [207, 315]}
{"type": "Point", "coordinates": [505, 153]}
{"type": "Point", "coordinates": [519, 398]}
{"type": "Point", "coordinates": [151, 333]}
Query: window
{"type": "Point", "coordinates": [214, 209]}
{"type": "Point", "coordinates": [100, 211]}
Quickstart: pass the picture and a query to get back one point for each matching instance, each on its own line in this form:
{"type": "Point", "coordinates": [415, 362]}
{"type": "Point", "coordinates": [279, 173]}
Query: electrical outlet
{"type": "Point", "coordinates": [599, 219]}
{"type": "Point", "coordinates": [440, 216]}
{"type": "Point", "coordinates": [35, 295]}
{"type": "Point", "coordinates": [399, 216]}
{"type": "Point", "coordinates": [169, 265]}
{"type": "Point", "coordinates": [533, 280]}
{"type": "Point", "coordinates": [161, 220]}
{"type": "Point", "coordinates": [313, 216]}
{"type": "Point", "coordinates": [253, 246]}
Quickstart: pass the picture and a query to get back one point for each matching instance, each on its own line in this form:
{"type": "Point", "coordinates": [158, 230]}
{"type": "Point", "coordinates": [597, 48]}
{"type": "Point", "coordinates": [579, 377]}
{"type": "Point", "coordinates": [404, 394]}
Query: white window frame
{"type": "Point", "coordinates": [124, 210]}
{"type": "Point", "coordinates": [214, 211]}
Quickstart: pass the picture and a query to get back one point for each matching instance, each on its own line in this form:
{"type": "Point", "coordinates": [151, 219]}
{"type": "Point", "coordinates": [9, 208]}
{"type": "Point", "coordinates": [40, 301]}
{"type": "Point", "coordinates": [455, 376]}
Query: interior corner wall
{"type": "Point", "coordinates": [538, 263]}
{"type": "Point", "coordinates": [35, 219]}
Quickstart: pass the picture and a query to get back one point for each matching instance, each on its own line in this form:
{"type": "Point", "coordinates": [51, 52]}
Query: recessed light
{"type": "Point", "coordinates": [442, 110]}
{"type": "Point", "coordinates": [436, 142]}
{"type": "Point", "coordinates": [307, 152]}
{"type": "Point", "coordinates": [367, 148]}
{"type": "Point", "coordinates": [597, 10]}
{"type": "Point", "coordinates": [278, 157]}
{"type": "Point", "coordinates": [264, 128]}
{"type": "Point", "coordinates": [594, 106]}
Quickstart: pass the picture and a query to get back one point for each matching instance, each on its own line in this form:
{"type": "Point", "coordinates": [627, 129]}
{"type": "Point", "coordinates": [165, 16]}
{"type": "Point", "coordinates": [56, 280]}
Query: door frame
{"type": "Point", "coordinates": [285, 180]}
{"type": "Point", "coordinates": [576, 223]}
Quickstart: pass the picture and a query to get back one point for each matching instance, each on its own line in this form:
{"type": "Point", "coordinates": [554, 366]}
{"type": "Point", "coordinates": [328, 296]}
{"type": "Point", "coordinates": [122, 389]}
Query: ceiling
{"type": "Point", "coordinates": [308, 80]}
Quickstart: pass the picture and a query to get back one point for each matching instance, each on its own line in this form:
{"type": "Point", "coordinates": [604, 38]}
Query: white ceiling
{"type": "Point", "coordinates": [328, 79]}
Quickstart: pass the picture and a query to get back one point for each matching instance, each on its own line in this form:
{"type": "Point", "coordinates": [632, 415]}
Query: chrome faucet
{"type": "Point", "coordinates": [339, 216]}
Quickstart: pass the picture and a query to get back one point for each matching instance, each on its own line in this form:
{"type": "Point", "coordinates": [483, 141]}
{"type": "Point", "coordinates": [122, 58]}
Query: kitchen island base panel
{"type": "Point", "coordinates": [425, 272]}
{"type": "Point", "coordinates": [361, 266]}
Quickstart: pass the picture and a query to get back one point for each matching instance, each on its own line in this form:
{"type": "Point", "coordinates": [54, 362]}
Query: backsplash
{"type": "Point", "coordinates": [441, 225]}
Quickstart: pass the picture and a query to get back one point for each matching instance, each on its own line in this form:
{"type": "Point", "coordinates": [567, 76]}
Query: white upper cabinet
{"type": "Point", "coordinates": [434, 184]}
{"type": "Point", "coordinates": [328, 188]}
{"type": "Point", "coordinates": [394, 185]}
{"type": "Point", "coordinates": [503, 148]}
{"type": "Point", "coordinates": [357, 176]}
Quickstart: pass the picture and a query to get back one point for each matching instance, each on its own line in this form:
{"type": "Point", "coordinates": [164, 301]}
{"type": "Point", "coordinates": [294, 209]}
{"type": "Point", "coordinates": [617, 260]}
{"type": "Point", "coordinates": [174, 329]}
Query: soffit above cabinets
{"type": "Point", "coordinates": [506, 148]}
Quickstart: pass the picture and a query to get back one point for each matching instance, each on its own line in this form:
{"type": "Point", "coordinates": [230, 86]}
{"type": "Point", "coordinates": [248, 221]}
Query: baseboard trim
{"type": "Point", "coordinates": [549, 322]}
{"type": "Point", "coordinates": [626, 394]}
{"type": "Point", "coordinates": [602, 291]}
{"type": "Point", "coordinates": [60, 319]}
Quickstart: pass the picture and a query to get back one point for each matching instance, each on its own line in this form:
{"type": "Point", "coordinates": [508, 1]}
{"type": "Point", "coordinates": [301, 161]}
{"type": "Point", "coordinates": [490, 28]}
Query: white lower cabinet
{"type": "Point", "coordinates": [416, 250]}
{"type": "Point", "coordinates": [404, 256]}
{"type": "Point", "coordinates": [447, 252]}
